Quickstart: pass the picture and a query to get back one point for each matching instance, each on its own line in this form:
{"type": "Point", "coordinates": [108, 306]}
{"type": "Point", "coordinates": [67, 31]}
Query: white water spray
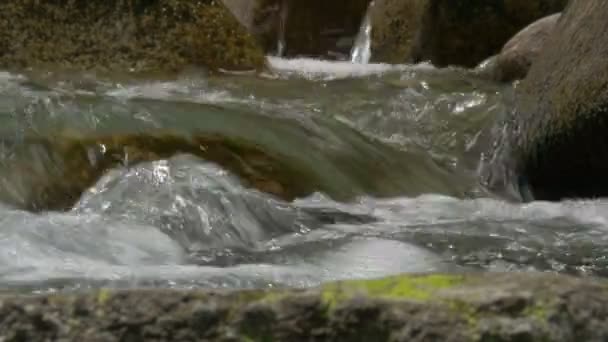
{"type": "Point", "coordinates": [284, 10]}
{"type": "Point", "coordinates": [362, 48]}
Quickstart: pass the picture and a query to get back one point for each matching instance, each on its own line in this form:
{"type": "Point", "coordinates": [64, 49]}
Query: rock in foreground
{"type": "Point", "coordinates": [129, 35]}
{"type": "Point", "coordinates": [482, 307]}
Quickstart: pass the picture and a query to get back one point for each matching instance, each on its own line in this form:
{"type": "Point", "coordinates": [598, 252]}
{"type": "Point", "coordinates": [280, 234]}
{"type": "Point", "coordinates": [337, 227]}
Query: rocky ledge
{"type": "Point", "coordinates": [472, 307]}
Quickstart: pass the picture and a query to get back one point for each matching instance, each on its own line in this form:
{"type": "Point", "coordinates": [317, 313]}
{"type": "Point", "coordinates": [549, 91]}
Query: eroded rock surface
{"type": "Point", "coordinates": [474, 307]}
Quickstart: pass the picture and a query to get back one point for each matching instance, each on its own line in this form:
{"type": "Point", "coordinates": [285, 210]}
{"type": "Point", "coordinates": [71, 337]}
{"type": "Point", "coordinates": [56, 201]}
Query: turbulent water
{"type": "Point", "coordinates": [395, 149]}
{"type": "Point", "coordinates": [361, 51]}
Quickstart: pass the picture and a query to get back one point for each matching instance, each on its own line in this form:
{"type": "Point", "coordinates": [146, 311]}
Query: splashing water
{"type": "Point", "coordinates": [387, 156]}
{"type": "Point", "coordinates": [282, 27]}
{"type": "Point", "coordinates": [362, 47]}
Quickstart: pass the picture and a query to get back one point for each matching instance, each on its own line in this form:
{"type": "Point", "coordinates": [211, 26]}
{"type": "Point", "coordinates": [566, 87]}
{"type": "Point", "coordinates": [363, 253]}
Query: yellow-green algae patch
{"type": "Point", "coordinates": [102, 296]}
{"type": "Point", "coordinates": [412, 287]}
{"type": "Point", "coordinates": [539, 311]}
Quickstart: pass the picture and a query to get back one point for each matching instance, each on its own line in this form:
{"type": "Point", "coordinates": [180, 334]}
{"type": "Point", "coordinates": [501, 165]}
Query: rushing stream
{"type": "Point", "coordinates": [393, 151]}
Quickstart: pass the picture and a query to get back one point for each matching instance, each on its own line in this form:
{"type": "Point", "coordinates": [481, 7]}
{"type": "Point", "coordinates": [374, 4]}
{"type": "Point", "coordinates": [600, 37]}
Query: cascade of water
{"type": "Point", "coordinates": [284, 10]}
{"type": "Point", "coordinates": [362, 51]}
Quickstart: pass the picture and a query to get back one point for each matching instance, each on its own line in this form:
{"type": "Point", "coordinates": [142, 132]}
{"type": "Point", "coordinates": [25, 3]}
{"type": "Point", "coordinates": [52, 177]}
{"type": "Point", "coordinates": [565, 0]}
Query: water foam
{"type": "Point", "coordinates": [315, 69]}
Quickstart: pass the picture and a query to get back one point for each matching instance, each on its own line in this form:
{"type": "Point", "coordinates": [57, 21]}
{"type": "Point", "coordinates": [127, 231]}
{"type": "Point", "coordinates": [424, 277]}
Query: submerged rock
{"type": "Point", "coordinates": [554, 142]}
{"type": "Point", "coordinates": [124, 35]}
{"type": "Point", "coordinates": [516, 57]}
{"type": "Point", "coordinates": [464, 32]}
{"type": "Point", "coordinates": [436, 307]}
{"type": "Point", "coordinates": [52, 173]}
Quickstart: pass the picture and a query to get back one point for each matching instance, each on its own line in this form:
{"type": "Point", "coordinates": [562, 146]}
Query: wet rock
{"type": "Point", "coordinates": [464, 32]}
{"type": "Point", "coordinates": [554, 141]}
{"type": "Point", "coordinates": [124, 35]}
{"type": "Point", "coordinates": [51, 173]}
{"type": "Point", "coordinates": [473, 307]}
{"type": "Point", "coordinates": [311, 28]}
{"type": "Point", "coordinates": [516, 57]}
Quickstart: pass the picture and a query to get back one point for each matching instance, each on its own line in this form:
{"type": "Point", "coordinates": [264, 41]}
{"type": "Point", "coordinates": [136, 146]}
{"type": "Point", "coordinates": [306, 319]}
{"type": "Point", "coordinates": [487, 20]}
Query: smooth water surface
{"type": "Point", "coordinates": [393, 150]}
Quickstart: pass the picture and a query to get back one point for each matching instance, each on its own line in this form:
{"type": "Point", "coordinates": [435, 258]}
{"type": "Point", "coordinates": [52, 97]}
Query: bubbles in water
{"type": "Point", "coordinates": [185, 222]}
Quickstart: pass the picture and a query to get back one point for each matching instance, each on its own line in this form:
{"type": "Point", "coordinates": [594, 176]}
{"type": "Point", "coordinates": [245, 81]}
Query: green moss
{"type": "Point", "coordinates": [103, 296]}
{"type": "Point", "coordinates": [419, 288]}
{"type": "Point", "coordinates": [464, 310]}
{"type": "Point", "coordinates": [539, 311]}
{"type": "Point", "coordinates": [395, 24]}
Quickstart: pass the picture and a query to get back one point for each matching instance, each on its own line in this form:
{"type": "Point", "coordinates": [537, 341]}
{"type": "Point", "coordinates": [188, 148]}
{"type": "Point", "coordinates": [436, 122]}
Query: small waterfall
{"type": "Point", "coordinates": [362, 47]}
{"type": "Point", "coordinates": [284, 10]}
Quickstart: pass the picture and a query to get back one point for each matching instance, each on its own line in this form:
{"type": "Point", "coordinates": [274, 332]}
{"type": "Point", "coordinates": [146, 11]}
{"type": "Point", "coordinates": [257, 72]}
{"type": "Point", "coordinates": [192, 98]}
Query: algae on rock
{"type": "Point", "coordinates": [433, 307]}
{"type": "Point", "coordinates": [124, 35]}
{"type": "Point", "coordinates": [395, 24]}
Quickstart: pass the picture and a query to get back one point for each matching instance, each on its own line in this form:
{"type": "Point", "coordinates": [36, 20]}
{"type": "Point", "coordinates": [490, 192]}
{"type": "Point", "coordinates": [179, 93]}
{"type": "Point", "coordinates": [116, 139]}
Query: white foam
{"type": "Point", "coordinates": [316, 69]}
{"type": "Point", "coordinates": [173, 90]}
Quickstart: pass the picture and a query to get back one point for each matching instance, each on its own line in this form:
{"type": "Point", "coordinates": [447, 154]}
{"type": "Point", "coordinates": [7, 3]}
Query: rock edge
{"type": "Point", "coordinates": [432, 307]}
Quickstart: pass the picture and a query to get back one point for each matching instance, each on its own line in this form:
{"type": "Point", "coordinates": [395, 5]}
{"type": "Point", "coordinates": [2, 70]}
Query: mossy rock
{"type": "Point", "coordinates": [420, 307]}
{"type": "Point", "coordinates": [124, 35]}
{"type": "Point", "coordinates": [555, 142]}
{"type": "Point", "coordinates": [466, 32]}
{"type": "Point", "coordinates": [395, 24]}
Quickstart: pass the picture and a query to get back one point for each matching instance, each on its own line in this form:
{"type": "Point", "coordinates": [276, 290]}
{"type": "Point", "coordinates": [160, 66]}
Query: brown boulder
{"type": "Point", "coordinates": [554, 142]}
{"type": "Point", "coordinates": [516, 57]}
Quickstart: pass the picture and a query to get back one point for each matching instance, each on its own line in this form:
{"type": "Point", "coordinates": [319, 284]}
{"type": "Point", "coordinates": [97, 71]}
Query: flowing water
{"type": "Point", "coordinates": [362, 47]}
{"type": "Point", "coordinates": [393, 151]}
